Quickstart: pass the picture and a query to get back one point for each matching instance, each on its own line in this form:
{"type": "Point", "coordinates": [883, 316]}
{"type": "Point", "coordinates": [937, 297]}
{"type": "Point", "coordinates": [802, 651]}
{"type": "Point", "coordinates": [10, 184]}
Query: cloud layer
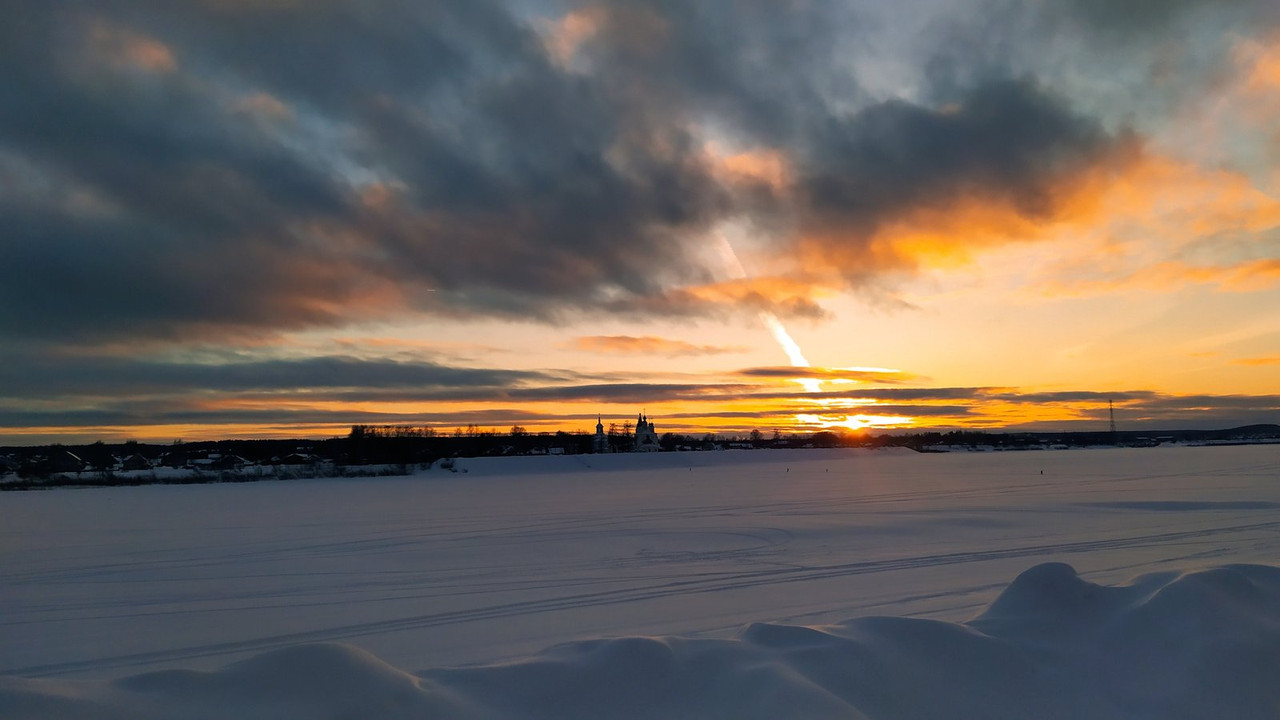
{"type": "Point", "coordinates": [176, 170]}
{"type": "Point", "coordinates": [113, 397]}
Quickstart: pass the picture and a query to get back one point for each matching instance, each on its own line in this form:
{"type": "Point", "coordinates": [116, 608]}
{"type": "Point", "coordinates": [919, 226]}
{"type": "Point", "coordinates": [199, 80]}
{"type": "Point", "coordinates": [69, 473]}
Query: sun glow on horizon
{"type": "Point", "coordinates": [854, 422]}
{"type": "Point", "coordinates": [795, 355]}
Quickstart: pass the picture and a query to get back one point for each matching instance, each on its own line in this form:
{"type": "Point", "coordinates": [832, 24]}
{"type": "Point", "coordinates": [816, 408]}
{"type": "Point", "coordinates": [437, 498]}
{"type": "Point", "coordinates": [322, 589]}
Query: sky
{"type": "Point", "coordinates": [278, 218]}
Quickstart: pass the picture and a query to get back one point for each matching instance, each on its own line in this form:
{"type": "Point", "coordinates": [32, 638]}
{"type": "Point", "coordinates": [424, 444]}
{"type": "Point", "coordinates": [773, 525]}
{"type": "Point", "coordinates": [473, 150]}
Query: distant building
{"type": "Point", "coordinates": [645, 439]}
{"type": "Point", "coordinates": [600, 443]}
{"type": "Point", "coordinates": [646, 436]}
{"type": "Point", "coordinates": [135, 462]}
{"type": "Point", "coordinates": [218, 461]}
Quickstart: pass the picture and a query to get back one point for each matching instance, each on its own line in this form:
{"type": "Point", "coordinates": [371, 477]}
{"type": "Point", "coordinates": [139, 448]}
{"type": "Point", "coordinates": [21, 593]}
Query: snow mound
{"type": "Point", "coordinates": [1173, 646]}
{"type": "Point", "coordinates": [306, 681]}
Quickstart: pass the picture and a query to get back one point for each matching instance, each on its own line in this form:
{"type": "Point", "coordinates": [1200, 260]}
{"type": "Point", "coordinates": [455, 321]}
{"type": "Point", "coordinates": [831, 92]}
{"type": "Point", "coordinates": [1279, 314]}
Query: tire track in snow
{"type": "Point", "coordinates": [707, 583]}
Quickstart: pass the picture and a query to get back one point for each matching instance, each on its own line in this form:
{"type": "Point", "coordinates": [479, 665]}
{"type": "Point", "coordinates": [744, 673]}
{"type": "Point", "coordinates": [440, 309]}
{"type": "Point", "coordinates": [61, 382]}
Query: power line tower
{"type": "Point", "coordinates": [1111, 411]}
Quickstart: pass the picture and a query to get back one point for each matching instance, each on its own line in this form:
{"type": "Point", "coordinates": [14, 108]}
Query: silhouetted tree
{"type": "Point", "coordinates": [825, 439]}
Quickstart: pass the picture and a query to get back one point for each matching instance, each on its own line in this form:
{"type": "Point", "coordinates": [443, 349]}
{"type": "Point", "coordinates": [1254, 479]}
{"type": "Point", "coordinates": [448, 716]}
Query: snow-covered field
{"type": "Point", "coordinates": [731, 584]}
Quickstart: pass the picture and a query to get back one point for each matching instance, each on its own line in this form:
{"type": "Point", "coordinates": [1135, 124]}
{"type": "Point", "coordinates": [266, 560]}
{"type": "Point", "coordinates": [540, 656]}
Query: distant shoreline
{"type": "Point", "coordinates": [521, 464]}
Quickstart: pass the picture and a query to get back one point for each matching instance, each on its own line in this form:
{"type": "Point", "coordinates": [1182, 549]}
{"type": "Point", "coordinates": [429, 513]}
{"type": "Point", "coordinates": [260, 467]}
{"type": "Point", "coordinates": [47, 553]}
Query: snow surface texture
{"type": "Point", "coordinates": [1168, 646]}
{"type": "Point", "coordinates": [296, 584]}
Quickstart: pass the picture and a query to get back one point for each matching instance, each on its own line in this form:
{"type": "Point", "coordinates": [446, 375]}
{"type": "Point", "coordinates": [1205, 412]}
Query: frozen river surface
{"type": "Point", "coordinates": [515, 555]}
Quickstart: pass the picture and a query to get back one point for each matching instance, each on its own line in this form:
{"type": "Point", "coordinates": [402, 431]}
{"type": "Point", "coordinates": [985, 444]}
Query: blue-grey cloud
{"type": "Point", "coordinates": [52, 377]}
{"type": "Point", "coordinates": [199, 169]}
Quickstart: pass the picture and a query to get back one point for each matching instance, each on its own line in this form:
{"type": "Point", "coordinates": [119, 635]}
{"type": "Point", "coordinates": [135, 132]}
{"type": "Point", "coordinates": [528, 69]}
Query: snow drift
{"type": "Point", "coordinates": [1203, 644]}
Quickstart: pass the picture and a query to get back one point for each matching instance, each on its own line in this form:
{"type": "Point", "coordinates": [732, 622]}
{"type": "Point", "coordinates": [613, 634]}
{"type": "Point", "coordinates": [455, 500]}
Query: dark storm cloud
{"type": "Point", "coordinates": [789, 413]}
{"type": "Point", "coordinates": [920, 393]}
{"type": "Point", "coordinates": [1215, 402]}
{"type": "Point", "coordinates": [762, 68]}
{"type": "Point", "coordinates": [54, 377]}
{"type": "Point", "coordinates": [156, 413]}
{"type": "Point", "coordinates": [887, 377]}
{"type": "Point", "coordinates": [1138, 63]}
{"type": "Point", "coordinates": [629, 393]}
{"type": "Point", "coordinates": [993, 37]}
{"type": "Point", "coordinates": [1116, 19]}
{"type": "Point", "coordinates": [1146, 410]}
{"type": "Point", "coordinates": [1073, 396]}
{"type": "Point", "coordinates": [205, 168]}
{"type": "Point", "coordinates": [626, 392]}
{"type": "Point", "coordinates": [1007, 141]}
{"type": "Point", "coordinates": [510, 186]}
{"type": "Point", "coordinates": [1137, 400]}
{"type": "Point", "coordinates": [164, 215]}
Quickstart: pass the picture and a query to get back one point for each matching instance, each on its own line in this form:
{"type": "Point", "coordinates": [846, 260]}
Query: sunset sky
{"type": "Point", "coordinates": [266, 218]}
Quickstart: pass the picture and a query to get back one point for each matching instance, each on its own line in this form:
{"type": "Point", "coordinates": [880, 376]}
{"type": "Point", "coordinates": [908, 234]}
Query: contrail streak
{"type": "Point", "coordinates": [792, 350]}
{"type": "Point", "coordinates": [797, 358]}
{"type": "Point", "coordinates": [771, 321]}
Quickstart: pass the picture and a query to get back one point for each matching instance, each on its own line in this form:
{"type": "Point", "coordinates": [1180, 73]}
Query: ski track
{"type": "Point", "coordinates": [630, 595]}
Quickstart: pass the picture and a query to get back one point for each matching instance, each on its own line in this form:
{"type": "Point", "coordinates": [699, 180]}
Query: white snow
{"type": "Point", "coordinates": [721, 583]}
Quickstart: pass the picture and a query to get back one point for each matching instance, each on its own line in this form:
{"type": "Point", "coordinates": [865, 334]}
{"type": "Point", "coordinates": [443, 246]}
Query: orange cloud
{"type": "Point", "coordinates": [1259, 63]}
{"type": "Point", "coordinates": [1259, 361]}
{"type": "Point", "coordinates": [1157, 212]}
{"type": "Point", "coordinates": [851, 422]}
{"type": "Point", "coordinates": [855, 374]}
{"type": "Point", "coordinates": [633, 30]}
{"type": "Point", "coordinates": [564, 36]}
{"type": "Point", "coordinates": [1250, 276]}
{"type": "Point", "coordinates": [380, 197]}
{"type": "Point", "coordinates": [1133, 206]}
{"type": "Point", "coordinates": [1247, 276]}
{"type": "Point", "coordinates": [1116, 226]}
{"type": "Point", "coordinates": [950, 232]}
{"type": "Point", "coordinates": [760, 166]}
{"type": "Point", "coordinates": [1189, 200]}
{"type": "Point", "coordinates": [124, 49]}
{"type": "Point", "coordinates": [787, 296]}
{"type": "Point", "coordinates": [646, 345]}
{"type": "Point", "coordinates": [949, 236]}
{"type": "Point", "coordinates": [264, 106]}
